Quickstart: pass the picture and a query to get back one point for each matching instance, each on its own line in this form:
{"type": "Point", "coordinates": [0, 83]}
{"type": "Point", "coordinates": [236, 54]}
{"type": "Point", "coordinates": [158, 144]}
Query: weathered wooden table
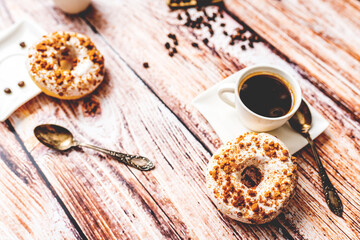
{"type": "Point", "coordinates": [46, 194]}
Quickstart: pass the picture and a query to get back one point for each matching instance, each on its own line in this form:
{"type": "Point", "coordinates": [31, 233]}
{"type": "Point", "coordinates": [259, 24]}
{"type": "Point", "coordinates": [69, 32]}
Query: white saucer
{"type": "Point", "coordinates": [13, 66]}
{"type": "Point", "coordinates": [227, 125]}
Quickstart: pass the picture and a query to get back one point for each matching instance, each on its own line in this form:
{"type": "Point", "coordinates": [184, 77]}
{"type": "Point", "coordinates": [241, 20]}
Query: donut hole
{"type": "Point", "coordinates": [67, 59]}
{"type": "Point", "coordinates": [251, 176]}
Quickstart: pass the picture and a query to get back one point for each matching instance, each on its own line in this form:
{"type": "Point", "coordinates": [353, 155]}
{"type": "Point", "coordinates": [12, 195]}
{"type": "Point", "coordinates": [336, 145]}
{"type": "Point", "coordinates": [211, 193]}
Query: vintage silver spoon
{"type": "Point", "coordinates": [301, 122]}
{"type": "Point", "coordinates": [60, 138]}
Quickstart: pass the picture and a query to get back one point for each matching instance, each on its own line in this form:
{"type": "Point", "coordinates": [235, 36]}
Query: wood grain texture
{"type": "Point", "coordinates": [107, 200]}
{"type": "Point", "coordinates": [148, 111]}
{"type": "Point", "coordinates": [219, 47]}
{"type": "Point", "coordinates": [319, 36]}
{"type": "Point", "coordinates": [28, 208]}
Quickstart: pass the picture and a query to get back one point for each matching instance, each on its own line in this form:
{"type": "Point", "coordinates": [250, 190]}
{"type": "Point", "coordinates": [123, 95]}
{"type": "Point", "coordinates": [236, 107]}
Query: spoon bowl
{"type": "Point", "coordinates": [54, 136]}
{"type": "Point", "coordinates": [60, 138]}
{"type": "Point", "coordinates": [301, 122]}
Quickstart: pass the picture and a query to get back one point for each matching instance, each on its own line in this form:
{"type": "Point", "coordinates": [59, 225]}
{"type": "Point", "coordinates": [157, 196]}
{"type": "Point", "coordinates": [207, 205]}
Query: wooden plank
{"type": "Point", "coordinates": [28, 208]}
{"type": "Point", "coordinates": [176, 81]}
{"type": "Point", "coordinates": [164, 209]}
{"type": "Point", "coordinates": [106, 199]}
{"type": "Point", "coordinates": [319, 36]}
{"type": "Point", "coordinates": [188, 80]}
{"type": "Point", "coordinates": [98, 188]}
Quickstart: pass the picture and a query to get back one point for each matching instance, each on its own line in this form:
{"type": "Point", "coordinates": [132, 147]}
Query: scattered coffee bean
{"type": "Point", "coordinates": [172, 36]}
{"type": "Point", "coordinates": [146, 65]}
{"type": "Point", "coordinates": [198, 4]}
{"type": "Point", "coordinates": [195, 45]}
{"type": "Point", "coordinates": [187, 14]}
{"type": "Point", "coordinates": [212, 18]}
{"type": "Point", "coordinates": [242, 34]}
{"type": "Point", "coordinates": [172, 49]}
{"type": "Point", "coordinates": [7, 90]}
{"type": "Point", "coordinates": [22, 44]}
{"type": "Point", "coordinates": [21, 84]}
{"type": "Point", "coordinates": [205, 13]}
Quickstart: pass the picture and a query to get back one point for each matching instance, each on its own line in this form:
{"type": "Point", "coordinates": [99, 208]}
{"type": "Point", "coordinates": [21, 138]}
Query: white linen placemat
{"type": "Point", "coordinates": [227, 124]}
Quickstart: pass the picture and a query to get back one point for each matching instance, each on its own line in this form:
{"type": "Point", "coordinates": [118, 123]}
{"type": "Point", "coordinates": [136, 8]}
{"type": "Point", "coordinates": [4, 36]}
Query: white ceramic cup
{"type": "Point", "coordinates": [250, 119]}
{"type": "Point", "coordinates": [72, 6]}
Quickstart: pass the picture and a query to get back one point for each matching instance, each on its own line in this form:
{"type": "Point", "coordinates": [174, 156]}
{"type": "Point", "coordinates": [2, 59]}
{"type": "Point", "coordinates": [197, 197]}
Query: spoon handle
{"type": "Point", "coordinates": [332, 198]}
{"type": "Point", "coordinates": [139, 162]}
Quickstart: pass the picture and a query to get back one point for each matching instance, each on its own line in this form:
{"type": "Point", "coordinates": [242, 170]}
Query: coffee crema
{"type": "Point", "coordinates": [266, 94]}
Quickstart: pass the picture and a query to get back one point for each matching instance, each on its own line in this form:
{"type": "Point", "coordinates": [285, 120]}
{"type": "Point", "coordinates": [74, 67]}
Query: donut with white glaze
{"type": "Point", "coordinates": [66, 65]}
{"type": "Point", "coordinates": [252, 178]}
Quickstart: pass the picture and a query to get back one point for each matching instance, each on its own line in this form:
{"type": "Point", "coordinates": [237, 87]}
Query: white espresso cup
{"type": "Point", "coordinates": [250, 119]}
{"type": "Point", "coordinates": [72, 6]}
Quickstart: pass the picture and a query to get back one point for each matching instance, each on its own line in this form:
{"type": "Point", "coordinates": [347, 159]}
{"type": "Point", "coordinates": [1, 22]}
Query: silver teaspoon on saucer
{"type": "Point", "coordinates": [301, 122]}
{"type": "Point", "coordinates": [59, 138]}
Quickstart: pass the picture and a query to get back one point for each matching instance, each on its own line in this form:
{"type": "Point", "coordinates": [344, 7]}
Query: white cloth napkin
{"type": "Point", "coordinates": [227, 124]}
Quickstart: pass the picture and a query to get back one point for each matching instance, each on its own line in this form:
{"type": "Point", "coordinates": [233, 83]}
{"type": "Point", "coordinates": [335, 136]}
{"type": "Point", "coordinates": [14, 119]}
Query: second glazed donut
{"type": "Point", "coordinates": [66, 65]}
{"type": "Point", "coordinates": [252, 178]}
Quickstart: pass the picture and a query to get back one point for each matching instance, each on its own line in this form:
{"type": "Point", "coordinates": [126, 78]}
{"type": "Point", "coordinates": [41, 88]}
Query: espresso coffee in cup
{"type": "Point", "coordinates": [264, 97]}
{"type": "Point", "coordinates": [266, 94]}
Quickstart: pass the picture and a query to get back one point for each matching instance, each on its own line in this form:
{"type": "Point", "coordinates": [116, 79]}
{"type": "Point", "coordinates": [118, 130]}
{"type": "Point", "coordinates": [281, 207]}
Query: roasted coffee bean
{"type": "Point", "coordinates": [195, 45]}
{"type": "Point", "coordinates": [21, 84]}
{"type": "Point", "coordinates": [7, 90]}
{"type": "Point", "coordinates": [240, 34]}
{"type": "Point", "coordinates": [146, 65]}
{"type": "Point", "coordinates": [205, 13]}
{"type": "Point", "coordinates": [172, 36]}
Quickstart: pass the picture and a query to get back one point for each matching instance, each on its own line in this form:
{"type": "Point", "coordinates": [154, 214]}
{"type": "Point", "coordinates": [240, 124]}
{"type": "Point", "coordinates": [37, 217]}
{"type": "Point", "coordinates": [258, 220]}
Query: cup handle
{"type": "Point", "coordinates": [227, 88]}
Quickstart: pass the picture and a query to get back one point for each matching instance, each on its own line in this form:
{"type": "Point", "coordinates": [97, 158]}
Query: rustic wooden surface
{"type": "Point", "coordinates": [80, 194]}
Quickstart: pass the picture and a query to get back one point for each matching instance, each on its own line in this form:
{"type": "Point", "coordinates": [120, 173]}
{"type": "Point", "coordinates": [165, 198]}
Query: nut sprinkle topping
{"type": "Point", "coordinates": [252, 177]}
{"type": "Point", "coordinates": [66, 65]}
